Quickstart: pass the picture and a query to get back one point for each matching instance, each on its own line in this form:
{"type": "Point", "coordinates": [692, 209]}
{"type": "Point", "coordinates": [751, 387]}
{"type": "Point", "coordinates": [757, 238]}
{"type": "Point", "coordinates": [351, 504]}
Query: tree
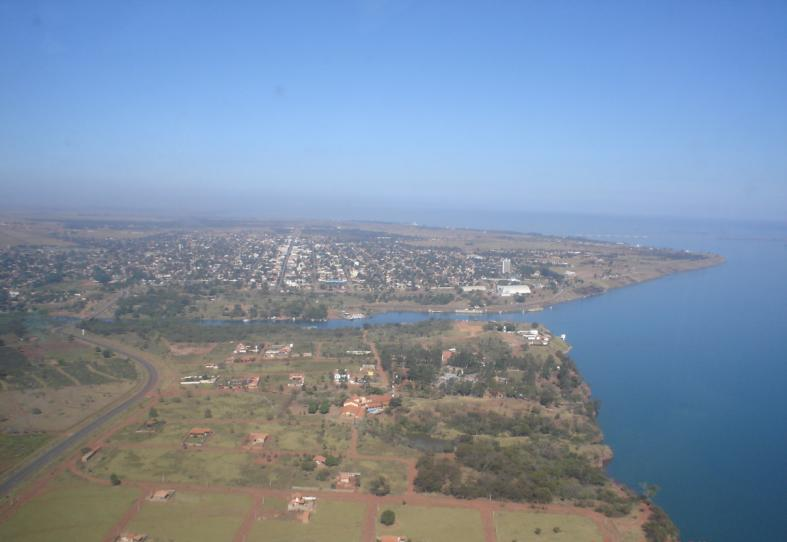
{"type": "Point", "coordinates": [388, 517]}
{"type": "Point", "coordinates": [114, 479]}
{"type": "Point", "coordinates": [101, 276]}
{"type": "Point", "coordinates": [152, 413]}
{"type": "Point", "coordinates": [649, 491]}
{"type": "Point", "coordinates": [208, 413]}
{"type": "Point", "coordinates": [332, 461]}
{"type": "Point", "coordinates": [380, 486]}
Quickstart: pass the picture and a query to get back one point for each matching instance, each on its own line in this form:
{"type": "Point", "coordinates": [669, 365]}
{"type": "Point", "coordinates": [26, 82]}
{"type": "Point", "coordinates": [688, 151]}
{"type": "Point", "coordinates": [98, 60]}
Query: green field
{"type": "Point", "coordinates": [14, 448]}
{"type": "Point", "coordinates": [221, 405]}
{"type": "Point", "coordinates": [332, 522]}
{"type": "Point", "coordinates": [60, 514]}
{"type": "Point", "coordinates": [522, 526]}
{"type": "Point", "coordinates": [302, 433]}
{"type": "Point", "coordinates": [191, 517]}
{"type": "Point", "coordinates": [393, 471]}
{"type": "Point", "coordinates": [421, 524]}
{"type": "Point", "coordinates": [192, 466]}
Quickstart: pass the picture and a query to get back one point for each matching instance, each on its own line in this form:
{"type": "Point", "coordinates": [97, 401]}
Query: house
{"type": "Point", "coordinates": [447, 355]}
{"type": "Point", "coordinates": [151, 425]}
{"type": "Point", "coordinates": [353, 411]}
{"type": "Point", "coordinates": [358, 406]}
{"type": "Point", "coordinates": [278, 351]}
{"type": "Point", "coordinates": [392, 538]}
{"type": "Point", "coordinates": [240, 349]}
{"type": "Point", "coordinates": [348, 480]}
{"type": "Point", "coordinates": [535, 337]}
{"type": "Point", "coordinates": [320, 460]}
{"type": "Point", "coordinates": [131, 537]}
{"type": "Point", "coordinates": [377, 403]}
{"type": "Point", "coordinates": [245, 383]}
{"type": "Point", "coordinates": [197, 437]}
{"type": "Point", "coordinates": [87, 456]}
{"type": "Point", "coordinates": [300, 503]}
{"type": "Point", "coordinates": [368, 369]}
{"type": "Point", "coordinates": [194, 380]}
{"type": "Point", "coordinates": [341, 376]}
{"type": "Point", "coordinates": [258, 439]}
{"type": "Point", "coordinates": [161, 495]}
{"type": "Point", "coordinates": [296, 380]}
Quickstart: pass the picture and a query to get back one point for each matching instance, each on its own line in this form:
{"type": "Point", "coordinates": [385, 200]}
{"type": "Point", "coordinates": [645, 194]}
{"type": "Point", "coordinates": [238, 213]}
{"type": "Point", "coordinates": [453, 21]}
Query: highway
{"type": "Point", "coordinates": [20, 475]}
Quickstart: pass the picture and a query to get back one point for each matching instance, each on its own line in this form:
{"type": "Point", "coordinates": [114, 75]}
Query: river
{"type": "Point", "coordinates": [690, 369]}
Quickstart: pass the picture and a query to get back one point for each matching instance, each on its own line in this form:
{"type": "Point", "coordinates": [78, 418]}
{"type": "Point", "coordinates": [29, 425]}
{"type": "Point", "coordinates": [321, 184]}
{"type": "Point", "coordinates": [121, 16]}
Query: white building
{"type": "Point", "coordinates": [512, 290]}
{"type": "Point", "coordinates": [506, 266]}
{"type": "Point", "coordinates": [475, 288]}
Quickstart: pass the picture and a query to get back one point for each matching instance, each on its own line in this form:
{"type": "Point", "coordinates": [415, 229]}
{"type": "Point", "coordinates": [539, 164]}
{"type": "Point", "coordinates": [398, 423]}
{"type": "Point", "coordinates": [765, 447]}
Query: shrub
{"type": "Point", "coordinates": [388, 517]}
{"type": "Point", "coordinates": [114, 479]}
{"type": "Point", "coordinates": [332, 461]}
{"type": "Point", "coordinates": [380, 486]}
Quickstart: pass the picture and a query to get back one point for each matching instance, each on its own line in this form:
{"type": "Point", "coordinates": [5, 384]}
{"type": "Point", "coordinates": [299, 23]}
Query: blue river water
{"type": "Point", "coordinates": [691, 371]}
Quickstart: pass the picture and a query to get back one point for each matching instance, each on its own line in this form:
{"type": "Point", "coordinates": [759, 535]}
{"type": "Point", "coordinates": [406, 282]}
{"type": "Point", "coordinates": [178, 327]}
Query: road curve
{"type": "Point", "coordinates": [10, 483]}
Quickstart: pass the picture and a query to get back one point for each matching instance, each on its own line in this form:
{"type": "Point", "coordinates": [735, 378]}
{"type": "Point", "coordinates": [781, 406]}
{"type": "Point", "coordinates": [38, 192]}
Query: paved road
{"type": "Point", "coordinates": [10, 483]}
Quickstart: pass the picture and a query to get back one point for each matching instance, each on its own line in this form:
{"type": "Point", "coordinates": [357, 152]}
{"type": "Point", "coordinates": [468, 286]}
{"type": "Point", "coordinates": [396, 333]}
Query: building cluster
{"type": "Point", "coordinates": [359, 406]}
{"type": "Point", "coordinates": [366, 374]}
{"type": "Point", "coordinates": [276, 261]}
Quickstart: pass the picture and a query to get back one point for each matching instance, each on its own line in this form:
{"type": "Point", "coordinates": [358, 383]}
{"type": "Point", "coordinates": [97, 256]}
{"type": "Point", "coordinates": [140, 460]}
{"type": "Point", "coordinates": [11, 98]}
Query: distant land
{"type": "Point", "coordinates": [205, 269]}
{"type": "Point", "coordinates": [298, 425]}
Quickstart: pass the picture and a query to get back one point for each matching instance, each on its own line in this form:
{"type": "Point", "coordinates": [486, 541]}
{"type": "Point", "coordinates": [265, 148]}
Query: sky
{"type": "Point", "coordinates": [325, 107]}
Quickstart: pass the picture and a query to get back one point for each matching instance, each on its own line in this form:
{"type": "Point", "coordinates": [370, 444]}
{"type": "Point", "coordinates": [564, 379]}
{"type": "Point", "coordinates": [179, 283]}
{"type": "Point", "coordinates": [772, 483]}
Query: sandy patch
{"type": "Point", "coordinates": [190, 349]}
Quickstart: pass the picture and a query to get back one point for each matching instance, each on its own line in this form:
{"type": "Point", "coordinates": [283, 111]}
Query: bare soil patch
{"type": "Point", "coordinates": [190, 349]}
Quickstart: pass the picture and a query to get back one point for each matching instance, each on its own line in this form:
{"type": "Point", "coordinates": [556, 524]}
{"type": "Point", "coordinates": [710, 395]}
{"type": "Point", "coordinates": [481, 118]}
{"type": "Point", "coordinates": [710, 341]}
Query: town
{"type": "Point", "coordinates": [313, 272]}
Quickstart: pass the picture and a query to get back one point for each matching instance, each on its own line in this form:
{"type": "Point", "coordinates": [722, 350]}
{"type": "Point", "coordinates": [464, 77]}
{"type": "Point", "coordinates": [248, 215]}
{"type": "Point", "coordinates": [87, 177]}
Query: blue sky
{"type": "Point", "coordinates": [658, 108]}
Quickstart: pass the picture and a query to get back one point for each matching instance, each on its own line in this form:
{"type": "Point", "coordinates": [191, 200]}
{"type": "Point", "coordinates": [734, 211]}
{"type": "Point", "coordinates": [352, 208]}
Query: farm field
{"type": "Point", "coordinates": [434, 524]}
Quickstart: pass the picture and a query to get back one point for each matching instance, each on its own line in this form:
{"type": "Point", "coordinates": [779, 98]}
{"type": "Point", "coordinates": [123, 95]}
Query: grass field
{"type": "Point", "coordinates": [60, 514]}
{"type": "Point", "coordinates": [14, 448]}
{"type": "Point", "coordinates": [394, 472]}
{"type": "Point", "coordinates": [191, 517]}
{"type": "Point", "coordinates": [421, 524]}
{"type": "Point", "coordinates": [332, 522]}
{"type": "Point", "coordinates": [48, 409]}
{"type": "Point", "coordinates": [190, 466]}
{"type": "Point", "coordinates": [222, 405]}
{"type": "Point", "coordinates": [305, 433]}
{"type": "Point", "coordinates": [371, 445]}
{"type": "Point", "coordinates": [523, 525]}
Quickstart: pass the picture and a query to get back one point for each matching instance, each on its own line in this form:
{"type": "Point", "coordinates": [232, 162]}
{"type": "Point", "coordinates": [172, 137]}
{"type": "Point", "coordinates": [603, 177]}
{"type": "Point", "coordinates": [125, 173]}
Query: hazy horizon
{"type": "Point", "coordinates": [311, 108]}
